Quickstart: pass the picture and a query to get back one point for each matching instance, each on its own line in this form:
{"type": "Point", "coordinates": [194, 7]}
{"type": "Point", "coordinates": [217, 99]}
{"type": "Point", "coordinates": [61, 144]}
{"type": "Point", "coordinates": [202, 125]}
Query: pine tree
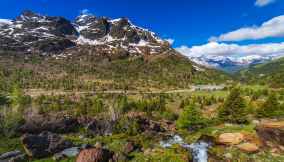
{"type": "Point", "coordinates": [270, 108]}
{"type": "Point", "coordinates": [191, 118]}
{"type": "Point", "coordinates": [234, 108]}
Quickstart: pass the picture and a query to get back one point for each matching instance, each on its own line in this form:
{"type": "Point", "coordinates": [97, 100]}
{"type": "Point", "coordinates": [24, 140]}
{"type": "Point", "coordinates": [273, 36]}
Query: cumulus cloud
{"type": "Point", "coordinates": [262, 3]}
{"type": "Point", "coordinates": [171, 41]}
{"type": "Point", "coordinates": [269, 29]}
{"type": "Point", "coordinates": [223, 49]}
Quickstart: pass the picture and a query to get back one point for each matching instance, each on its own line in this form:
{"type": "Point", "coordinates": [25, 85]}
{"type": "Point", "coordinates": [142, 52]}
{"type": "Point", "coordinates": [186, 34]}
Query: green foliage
{"type": "Point", "coordinates": [90, 106]}
{"type": "Point", "coordinates": [271, 107]}
{"type": "Point", "coordinates": [122, 104]}
{"type": "Point", "coordinates": [18, 99]}
{"type": "Point", "coordinates": [9, 144]}
{"type": "Point", "coordinates": [234, 109]}
{"type": "Point", "coordinates": [10, 121]}
{"type": "Point", "coordinates": [153, 104]}
{"type": "Point", "coordinates": [3, 100]}
{"type": "Point", "coordinates": [128, 126]}
{"type": "Point", "coordinates": [86, 72]}
{"type": "Point", "coordinates": [271, 73]}
{"type": "Point", "coordinates": [191, 118]}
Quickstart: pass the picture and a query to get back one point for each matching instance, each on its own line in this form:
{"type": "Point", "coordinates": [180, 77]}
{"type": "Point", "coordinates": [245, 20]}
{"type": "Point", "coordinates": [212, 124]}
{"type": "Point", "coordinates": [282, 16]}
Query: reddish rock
{"type": "Point", "coordinates": [95, 155]}
{"type": "Point", "coordinates": [230, 138]}
{"type": "Point", "coordinates": [248, 147]}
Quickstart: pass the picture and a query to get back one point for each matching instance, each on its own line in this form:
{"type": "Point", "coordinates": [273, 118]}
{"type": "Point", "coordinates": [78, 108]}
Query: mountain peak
{"type": "Point", "coordinates": [33, 32]}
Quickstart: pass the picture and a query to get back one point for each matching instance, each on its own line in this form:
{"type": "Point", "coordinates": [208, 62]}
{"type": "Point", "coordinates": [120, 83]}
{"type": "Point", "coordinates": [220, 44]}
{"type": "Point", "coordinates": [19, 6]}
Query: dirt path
{"type": "Point", "coordinates": [39, 92]}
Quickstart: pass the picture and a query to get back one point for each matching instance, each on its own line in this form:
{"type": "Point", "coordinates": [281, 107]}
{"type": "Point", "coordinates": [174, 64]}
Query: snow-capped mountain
{"type": "Point", "coordinates": [230, 64]}
{"type": "Point", "coordinates": [34, 33]}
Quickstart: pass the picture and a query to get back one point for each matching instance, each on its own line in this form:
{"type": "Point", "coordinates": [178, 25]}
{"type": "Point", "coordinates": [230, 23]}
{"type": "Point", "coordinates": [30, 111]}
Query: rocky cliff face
{"type": "Point", "coordinates": [35, 33]}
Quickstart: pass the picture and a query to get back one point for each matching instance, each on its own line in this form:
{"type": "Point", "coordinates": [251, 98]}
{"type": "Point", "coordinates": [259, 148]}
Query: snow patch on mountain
{"type": "Point", "coordinates": [5, 22]}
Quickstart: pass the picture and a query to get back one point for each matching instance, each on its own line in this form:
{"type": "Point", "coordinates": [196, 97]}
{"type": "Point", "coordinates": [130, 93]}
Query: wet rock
{"type": "Point", "coordinates": [95, 155]}
{"type": "Point", "coordinates": [208, 139]}
{"type": "Point", "coordinates": [67, 153]}
{"type": "Point", "coordinates": [10, 154]}
{"type": "Point", "coordinates": [19, 158]}
{"type": "Point", "coordinates": [230, 138]}
{"type": "Point", "coordinates": [53, 123]}
{"type": "Point", "coordinates": [44, 144]}
{"type": "Point", "coordinates": [13, 156]}
{"type": "Point", "coordinates": [248, 147]}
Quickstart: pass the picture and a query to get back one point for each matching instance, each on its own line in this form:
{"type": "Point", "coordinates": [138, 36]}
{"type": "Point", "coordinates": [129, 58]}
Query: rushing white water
{"type": "Point", "coordinates": [198, 149]}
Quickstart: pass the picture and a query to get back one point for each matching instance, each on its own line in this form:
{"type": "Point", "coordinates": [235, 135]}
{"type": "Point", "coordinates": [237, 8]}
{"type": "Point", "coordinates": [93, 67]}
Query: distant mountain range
{"type": "Point", "coordinates": [230, 64]}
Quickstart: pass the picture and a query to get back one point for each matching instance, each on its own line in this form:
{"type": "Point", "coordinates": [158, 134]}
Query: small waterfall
{"type": "Point", "coordinates": [198, 149]}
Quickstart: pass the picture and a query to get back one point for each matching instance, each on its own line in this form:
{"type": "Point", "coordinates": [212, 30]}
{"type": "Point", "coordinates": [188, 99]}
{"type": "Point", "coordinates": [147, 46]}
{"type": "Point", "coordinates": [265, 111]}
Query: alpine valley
{"type": "Point", "coordinates": [96, 89]}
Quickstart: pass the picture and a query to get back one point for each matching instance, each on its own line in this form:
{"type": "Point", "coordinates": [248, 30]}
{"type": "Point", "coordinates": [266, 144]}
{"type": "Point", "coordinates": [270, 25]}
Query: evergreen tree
{"type": "Point", "coordinates": [270, 108]}
{"type": "Point", "coordinates": [191, 118]}
{"type": "Point", "coordinates": [234, 108]}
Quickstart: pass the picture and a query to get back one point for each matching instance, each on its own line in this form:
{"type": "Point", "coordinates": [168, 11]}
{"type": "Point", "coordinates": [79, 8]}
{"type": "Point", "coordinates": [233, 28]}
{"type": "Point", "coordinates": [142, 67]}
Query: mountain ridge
{"type": "Point", "coordinates": [31, 32]}
{"type": "Point", "coordinates": [93, 53]}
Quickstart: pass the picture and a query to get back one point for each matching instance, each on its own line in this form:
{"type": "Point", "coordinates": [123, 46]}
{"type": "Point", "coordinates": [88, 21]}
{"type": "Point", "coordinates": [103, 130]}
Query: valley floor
{"type": "Point", "coordinates": [131, 124]}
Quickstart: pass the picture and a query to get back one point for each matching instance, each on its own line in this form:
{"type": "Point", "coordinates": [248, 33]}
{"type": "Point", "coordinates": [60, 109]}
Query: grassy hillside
{"type": "Point", "coordinates": [271, 73]}
{"type": "Point", "coordinates": [92, 72]}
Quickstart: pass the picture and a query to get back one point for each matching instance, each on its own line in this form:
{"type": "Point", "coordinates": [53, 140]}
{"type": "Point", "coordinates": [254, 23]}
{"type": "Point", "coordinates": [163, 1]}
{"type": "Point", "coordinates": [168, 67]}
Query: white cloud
{"type": "Point", "coordinates": [171, 41]}
{"type": "Point", "coordinates": [85, 11]}
{"type": "Point", "coordinates": [272, 28]}
{"type": "Point", "coordinates": [223, 49]}
{"type": "Point", "coordinates": [262, 3]}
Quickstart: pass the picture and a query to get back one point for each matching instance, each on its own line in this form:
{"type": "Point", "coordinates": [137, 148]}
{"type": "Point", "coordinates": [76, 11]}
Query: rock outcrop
{"type": "Point", "coordinates": [271, 132]}
{"type": "Point", "coordinates": [44, 144]}
{"type": "Point", "coordinates": [35, 33]}
{"type": "Point", "coordinates": [57, 123]}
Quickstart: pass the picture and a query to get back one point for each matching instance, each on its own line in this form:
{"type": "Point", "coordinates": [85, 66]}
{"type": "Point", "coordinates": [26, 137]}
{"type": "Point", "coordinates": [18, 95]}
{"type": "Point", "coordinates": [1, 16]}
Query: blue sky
{"type": "Point", "coordinates": [188, 22]}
